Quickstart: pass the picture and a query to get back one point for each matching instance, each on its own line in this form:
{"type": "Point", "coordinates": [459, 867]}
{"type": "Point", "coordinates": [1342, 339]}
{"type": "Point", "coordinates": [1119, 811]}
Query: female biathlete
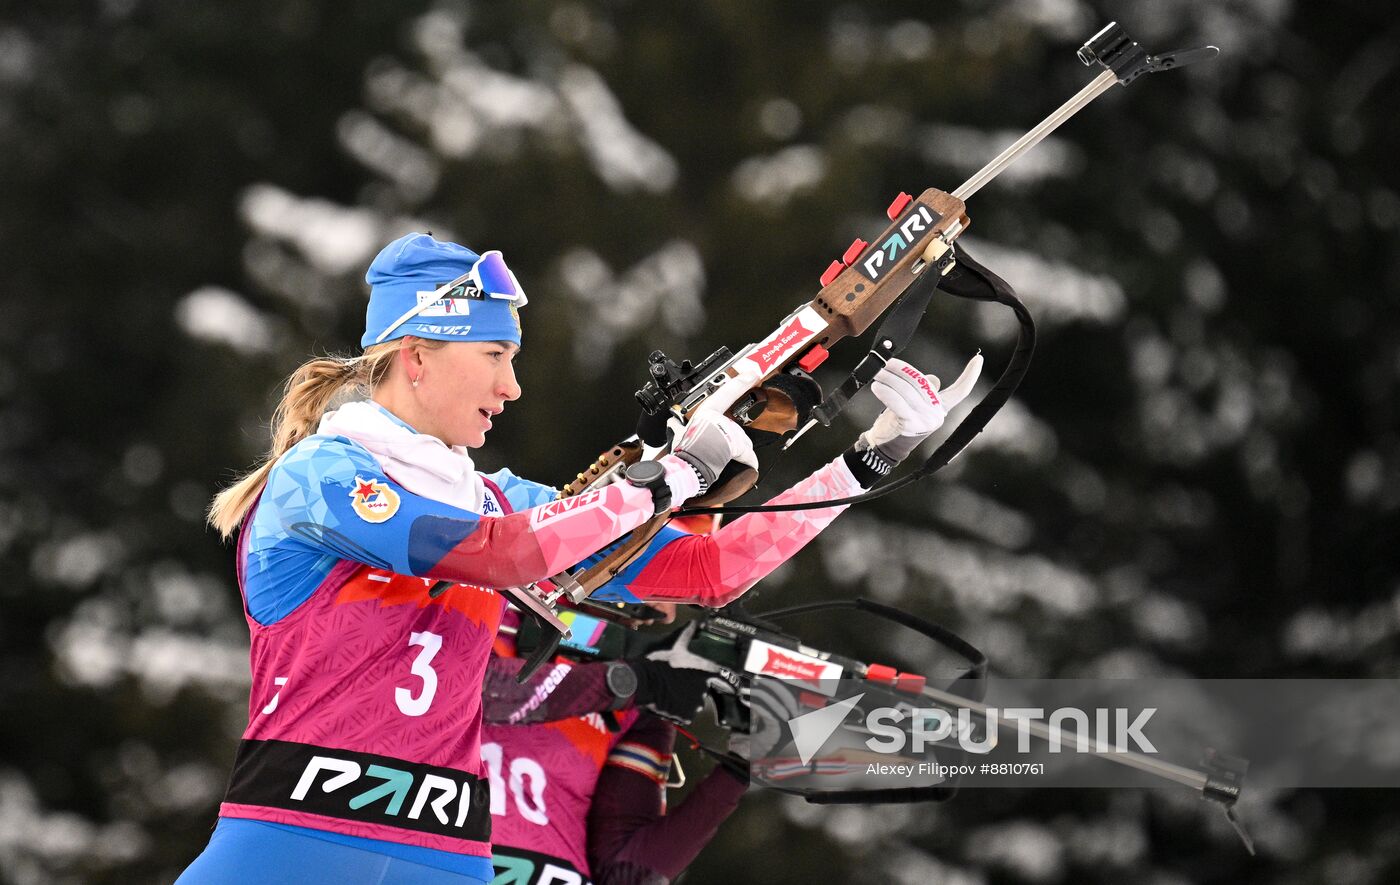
{"type": "Point", "coordinates": [361, 761]}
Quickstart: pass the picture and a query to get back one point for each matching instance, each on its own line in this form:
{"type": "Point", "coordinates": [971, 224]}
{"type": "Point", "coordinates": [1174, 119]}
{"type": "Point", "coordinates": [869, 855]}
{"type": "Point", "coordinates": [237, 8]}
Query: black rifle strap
{"type": "Point", "coordinates": [894, 333]}
{"type": "Point", "coordinates": [967, 279]}
{"type": "Point", "coordinates": [971, 684]}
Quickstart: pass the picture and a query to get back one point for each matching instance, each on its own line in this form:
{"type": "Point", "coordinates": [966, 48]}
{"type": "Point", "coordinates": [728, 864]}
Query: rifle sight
{"type": "Point", "coordinates": [670, 381]}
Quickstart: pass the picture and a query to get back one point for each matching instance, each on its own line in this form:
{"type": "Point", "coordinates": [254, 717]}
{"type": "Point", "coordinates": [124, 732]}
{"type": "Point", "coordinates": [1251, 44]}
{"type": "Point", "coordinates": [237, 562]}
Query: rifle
{"type": "Point", "coordinates": [767, 386]}
{"type": "Point", "coordinates": [755, 648]}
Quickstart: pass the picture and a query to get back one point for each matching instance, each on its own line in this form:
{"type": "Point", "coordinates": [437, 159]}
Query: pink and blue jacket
{"type": "Point", "coordinates": [365, 718]}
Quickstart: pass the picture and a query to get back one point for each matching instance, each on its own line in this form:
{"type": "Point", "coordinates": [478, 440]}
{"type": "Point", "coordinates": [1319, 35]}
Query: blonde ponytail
{"type": "Point", "coordinates": [308, 392]}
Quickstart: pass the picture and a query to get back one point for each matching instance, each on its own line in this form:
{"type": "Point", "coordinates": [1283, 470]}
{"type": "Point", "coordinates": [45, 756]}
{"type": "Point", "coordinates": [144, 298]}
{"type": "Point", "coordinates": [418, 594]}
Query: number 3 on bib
{"type": "Point", "coordinates": [422, 667]}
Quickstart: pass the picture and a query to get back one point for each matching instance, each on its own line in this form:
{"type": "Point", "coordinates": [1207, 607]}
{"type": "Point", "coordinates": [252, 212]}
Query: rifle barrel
{"type": "Point", "coordinates": [1098, 86]}
{"type": "Point", "coordinates": [1189, 777]}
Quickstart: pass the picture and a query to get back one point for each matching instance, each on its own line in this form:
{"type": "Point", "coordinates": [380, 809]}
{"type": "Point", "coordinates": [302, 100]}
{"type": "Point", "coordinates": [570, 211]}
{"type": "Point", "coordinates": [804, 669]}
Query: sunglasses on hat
{"type": "Point", "coordinates": [488, 277]}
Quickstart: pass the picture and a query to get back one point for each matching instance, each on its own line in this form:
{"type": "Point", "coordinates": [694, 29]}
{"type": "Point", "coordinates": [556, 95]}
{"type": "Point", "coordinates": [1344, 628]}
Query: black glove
{"type": "Point", "coordinates": [670, 692]}
{"type": "Point", "coordinates": [673, 683]}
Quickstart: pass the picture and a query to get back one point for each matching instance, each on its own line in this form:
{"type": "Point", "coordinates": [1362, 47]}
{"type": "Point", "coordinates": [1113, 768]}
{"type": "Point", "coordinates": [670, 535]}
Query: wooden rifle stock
{"type": "Point", "coordinates": [872, 276]}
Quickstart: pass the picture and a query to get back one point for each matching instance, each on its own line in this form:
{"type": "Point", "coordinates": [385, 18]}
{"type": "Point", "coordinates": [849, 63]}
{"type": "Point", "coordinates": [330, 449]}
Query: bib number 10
{"type": "Point", "coordinates": [526, 785]}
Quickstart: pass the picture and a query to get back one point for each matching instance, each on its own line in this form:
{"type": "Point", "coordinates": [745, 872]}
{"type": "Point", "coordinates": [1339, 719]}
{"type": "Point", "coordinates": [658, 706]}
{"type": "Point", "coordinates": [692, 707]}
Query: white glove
{"type": "Point", "coordinates": [711, 439]}
{"type": "Point", "coordinates": [914, 407]}
{"type": "Point", "coordinates": [709, 442]}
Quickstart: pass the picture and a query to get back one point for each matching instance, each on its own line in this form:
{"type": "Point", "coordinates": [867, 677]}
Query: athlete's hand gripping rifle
{"type": "Point", "coordinates": [767, 387]}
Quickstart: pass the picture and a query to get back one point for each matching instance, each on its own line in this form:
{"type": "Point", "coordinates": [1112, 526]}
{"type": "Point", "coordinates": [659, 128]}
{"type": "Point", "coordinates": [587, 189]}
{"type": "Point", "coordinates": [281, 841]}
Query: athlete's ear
{"type": "Point", "coordinates": [410, 358]}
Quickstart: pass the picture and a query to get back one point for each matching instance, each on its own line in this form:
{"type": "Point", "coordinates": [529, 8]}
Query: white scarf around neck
{"type": "Point", "coordinates": [423, 464]}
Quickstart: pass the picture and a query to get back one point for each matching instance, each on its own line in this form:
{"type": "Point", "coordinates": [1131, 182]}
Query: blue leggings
{"type": "Point", "coordinates": [249, 852]}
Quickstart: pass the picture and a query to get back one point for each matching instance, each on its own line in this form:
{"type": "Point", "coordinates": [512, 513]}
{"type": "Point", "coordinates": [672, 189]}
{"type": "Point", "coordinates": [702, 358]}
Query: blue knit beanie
{"type": "Point", "coordinates": [408, 272]}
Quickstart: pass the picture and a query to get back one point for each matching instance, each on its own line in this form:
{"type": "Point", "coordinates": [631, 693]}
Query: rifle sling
{"type": "Point", "coordinates": [966, 279]}
{"type": "Point", "coordinates": [894, 333]}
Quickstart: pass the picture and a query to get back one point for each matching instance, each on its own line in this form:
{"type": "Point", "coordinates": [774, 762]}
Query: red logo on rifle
{"type": "Point", "coordinates": [789, 338]}
{"type": "Point", "coordinates": [786, 666]}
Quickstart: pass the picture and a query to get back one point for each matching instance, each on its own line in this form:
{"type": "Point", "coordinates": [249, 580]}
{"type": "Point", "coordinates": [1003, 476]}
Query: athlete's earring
{"type": "Point", "coordinates": [415, 382]}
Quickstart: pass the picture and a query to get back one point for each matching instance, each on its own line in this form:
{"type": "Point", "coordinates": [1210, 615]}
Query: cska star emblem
{"type": "Point", "coordinates": [373, 500]}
